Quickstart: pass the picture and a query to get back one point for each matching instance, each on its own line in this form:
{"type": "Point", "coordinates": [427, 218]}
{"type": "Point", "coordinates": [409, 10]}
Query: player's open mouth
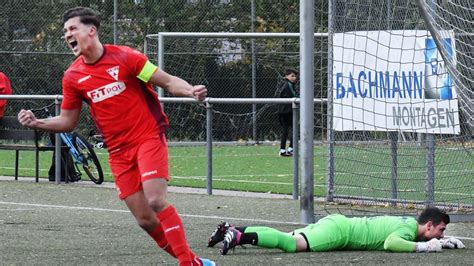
{"type": "Point", "coordinates": [73, 44]}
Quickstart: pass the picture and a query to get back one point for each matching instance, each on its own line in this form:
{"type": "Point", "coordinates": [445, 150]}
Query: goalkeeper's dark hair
{"type": "Point", "coordinates": [434, 215]}
{"type": "Point", "coordinates": [86, 15]}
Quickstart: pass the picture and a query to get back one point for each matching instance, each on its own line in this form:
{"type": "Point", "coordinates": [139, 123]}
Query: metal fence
{"type": "Point", "coordinates": [240, 65]}
{"type": "Point", "coordinates": [34, 57]}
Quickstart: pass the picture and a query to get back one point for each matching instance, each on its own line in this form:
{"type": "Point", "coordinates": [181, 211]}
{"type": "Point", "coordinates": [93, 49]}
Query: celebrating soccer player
{"type": "Point", "coordinates": [115, 81]}
{"type": "Point", "coordinates": [338, 232]}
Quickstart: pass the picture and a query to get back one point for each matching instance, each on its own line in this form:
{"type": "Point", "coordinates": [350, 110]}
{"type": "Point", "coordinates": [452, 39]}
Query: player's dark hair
{"type": "Point", "coordinates": [289, 71]}
{"type": "Point", "coordinates": [434, 215]}
{"type": "Point", "coordinates": [86, 15]}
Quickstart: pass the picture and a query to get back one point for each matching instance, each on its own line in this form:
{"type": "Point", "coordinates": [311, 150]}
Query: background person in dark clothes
{"type": "Point", "coordinates": [287, 89]}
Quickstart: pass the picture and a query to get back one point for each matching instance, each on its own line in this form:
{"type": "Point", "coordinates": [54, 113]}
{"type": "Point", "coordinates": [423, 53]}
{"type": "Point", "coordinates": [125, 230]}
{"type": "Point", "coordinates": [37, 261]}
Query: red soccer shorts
{"type": "Point", "coordinates": [134, 165]}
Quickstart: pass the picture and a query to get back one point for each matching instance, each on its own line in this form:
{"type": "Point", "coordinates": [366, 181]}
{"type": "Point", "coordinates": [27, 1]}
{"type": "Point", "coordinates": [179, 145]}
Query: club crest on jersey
{"type": "Point", "coordinates": [107, 91]}
{"type": "Point", "coordinates": [113, 72]}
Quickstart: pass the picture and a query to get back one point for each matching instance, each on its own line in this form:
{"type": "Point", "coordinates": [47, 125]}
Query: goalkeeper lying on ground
{"type": "Point", "coordinates": [337, 232]}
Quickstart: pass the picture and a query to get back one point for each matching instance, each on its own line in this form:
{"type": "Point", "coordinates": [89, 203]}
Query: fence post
{"type": "Point", "coordinates": [209, 146]}
{"type": "Point", "coordinates": [161, 58]}
{"type": "Point", "coordinates": [430, 169]}
{"type": "Point", "coordinates": [296, 144]}
{"type": "Point", "coordinates": [115, 21]}
{"type": "Point", "coordinates": [330, 132]}
{"type": "Point", "coordinates": [57, 148]}
{"type": "Point", "coordinates": [307, 110]}
{"type": "Point", "coordinates": [254, 76]}
{"type": "Point", "coordinates": [393, 136]}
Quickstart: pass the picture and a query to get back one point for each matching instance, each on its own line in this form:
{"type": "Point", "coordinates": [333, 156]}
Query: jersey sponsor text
{"type": "Point", "coordinates": [107, 91]}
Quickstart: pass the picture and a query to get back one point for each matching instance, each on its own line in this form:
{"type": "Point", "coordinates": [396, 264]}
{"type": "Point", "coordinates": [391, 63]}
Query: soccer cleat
{"type": "Point", "coordinates": [206, 262]}
{"type": "Point", "coordinates": [284, 154]}
{"type": "Point", "coordinates": [218, 234]}
{"type": "Point", "coordinates": [289, 151]}
{"type": "Point", "coordinates": [231, 240]}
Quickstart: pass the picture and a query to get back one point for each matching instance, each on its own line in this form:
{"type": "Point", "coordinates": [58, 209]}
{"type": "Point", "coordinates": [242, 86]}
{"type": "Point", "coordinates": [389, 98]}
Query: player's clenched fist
{"type": "Point", "coordinates": [26, 118]}
{"type": "Point", "coordinates": [199, 92]}
{"type": "Point", "coordinates": [451, 242]}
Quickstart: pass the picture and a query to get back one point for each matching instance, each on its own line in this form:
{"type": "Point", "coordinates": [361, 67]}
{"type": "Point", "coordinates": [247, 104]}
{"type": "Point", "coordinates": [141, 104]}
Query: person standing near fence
{"type": "Point", "coordinates": [287, 89]}
{"type": "Point", "coordinates": [115, 81]}
{"type": "Point", "coordinates": [5, 89]}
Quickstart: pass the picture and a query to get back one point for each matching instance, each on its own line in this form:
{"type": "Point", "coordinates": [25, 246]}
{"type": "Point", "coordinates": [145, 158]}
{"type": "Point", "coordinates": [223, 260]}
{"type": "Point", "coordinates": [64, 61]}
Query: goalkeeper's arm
{"type": "Point", "coordinates": [397, 244]}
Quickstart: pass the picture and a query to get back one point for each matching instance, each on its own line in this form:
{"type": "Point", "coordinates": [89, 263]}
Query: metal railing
{"type": "Point", "coordinates": [209, 125]}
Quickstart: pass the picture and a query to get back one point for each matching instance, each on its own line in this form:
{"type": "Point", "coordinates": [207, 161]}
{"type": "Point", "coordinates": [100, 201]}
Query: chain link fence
{"type": "Point", "coordinates": [34, 56]}
{"type": "Point", "coordinates": [234, 66]}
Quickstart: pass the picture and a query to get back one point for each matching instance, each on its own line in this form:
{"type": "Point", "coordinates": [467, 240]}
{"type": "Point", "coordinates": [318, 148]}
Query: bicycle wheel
{"type": "Point", "coordinates": [90, 162]}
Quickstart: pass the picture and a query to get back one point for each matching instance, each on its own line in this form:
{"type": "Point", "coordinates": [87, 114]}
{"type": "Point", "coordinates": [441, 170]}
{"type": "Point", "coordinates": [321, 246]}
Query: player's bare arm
{"type": "Point", "coordinates": [64, 122]}
{"type": "Point", "coordinates": [178, 86]}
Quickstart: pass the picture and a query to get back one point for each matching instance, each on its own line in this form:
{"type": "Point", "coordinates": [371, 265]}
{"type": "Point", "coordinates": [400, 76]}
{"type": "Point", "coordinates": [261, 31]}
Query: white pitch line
{"type": "Point", "coordinates": [19, 209]}
{"type": "Point", "coordinates": [235, 180]}
{"type": "Point", "coordinates": [127, 211]}
{"type": "Point", "coordinates": [60, 206]}
{"type": "Point", "coordinates": [184, 215]}
{"type": "Point", "coordinates": [203, 178]}
{"type": "Point", "coordinates": [462, 237]}
{"type": "Point", "coordinates": [408, 172]}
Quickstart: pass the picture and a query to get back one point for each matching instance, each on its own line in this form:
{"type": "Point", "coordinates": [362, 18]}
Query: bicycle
{"type": "Point", "coordinates": [80, 149]}
{"type": "Point", "coordinates": [98, 139]}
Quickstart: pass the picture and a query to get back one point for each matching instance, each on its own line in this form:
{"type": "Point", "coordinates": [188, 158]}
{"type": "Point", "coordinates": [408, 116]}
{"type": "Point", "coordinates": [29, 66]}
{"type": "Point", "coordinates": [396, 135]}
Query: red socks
{"type": "Point", "coordinates": [170, 236]}
{"type": "Point", "coordinates": [159, 236]}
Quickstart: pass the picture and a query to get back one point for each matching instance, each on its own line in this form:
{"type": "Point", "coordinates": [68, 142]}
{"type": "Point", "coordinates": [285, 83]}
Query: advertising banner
{"type": "Point", "coordinates": [393, 81]}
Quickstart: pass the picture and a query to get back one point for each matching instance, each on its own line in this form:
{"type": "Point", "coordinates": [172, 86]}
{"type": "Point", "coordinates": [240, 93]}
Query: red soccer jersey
{"type": "Point", "coordinates": [6, 89]}
{"type": "Point", "coordinates": [124, 108]}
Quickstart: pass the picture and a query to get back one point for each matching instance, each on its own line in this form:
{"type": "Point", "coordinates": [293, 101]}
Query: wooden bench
{"type": "Point", "coordinates": [14, 136]}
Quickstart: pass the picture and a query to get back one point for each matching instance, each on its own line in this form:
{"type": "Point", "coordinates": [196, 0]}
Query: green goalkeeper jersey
{"type": "Point", "coordinates": [337, 232]}
{"type": "Point", "coordinates": [382, 232]}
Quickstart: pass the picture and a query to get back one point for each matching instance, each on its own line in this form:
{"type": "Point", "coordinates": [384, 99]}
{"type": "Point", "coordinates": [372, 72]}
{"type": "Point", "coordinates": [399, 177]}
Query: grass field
{"type": "Point", "coordinates": [247, 168]}
{"type": "Point", "coordinates": [366, 171]}
{"type": "Point", "coordinates": [51, 224]}
{"type": "Point", "coordinates": [360, 171]}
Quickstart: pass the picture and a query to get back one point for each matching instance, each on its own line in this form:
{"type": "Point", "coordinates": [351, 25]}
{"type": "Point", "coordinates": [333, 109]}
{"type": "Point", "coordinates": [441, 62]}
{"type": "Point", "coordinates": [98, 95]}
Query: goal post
{"type": "Point", "coordinates": [401, 103]}
{"type": "Point", "coordinates": [455, 15]}
{"type": "Point", "coordinates": [397, 123]}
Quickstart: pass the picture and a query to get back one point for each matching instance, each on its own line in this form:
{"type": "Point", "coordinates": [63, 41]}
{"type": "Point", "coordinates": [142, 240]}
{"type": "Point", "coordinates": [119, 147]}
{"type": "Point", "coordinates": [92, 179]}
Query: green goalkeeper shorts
{"type": "Point", "coordinates": [329, 233]}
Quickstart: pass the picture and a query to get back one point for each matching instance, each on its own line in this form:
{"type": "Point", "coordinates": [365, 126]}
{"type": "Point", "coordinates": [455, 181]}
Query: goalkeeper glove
{"type": "Point", "coordinates": [434, 245]}
{"type": "Point", "coordinates": [451, 242]}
